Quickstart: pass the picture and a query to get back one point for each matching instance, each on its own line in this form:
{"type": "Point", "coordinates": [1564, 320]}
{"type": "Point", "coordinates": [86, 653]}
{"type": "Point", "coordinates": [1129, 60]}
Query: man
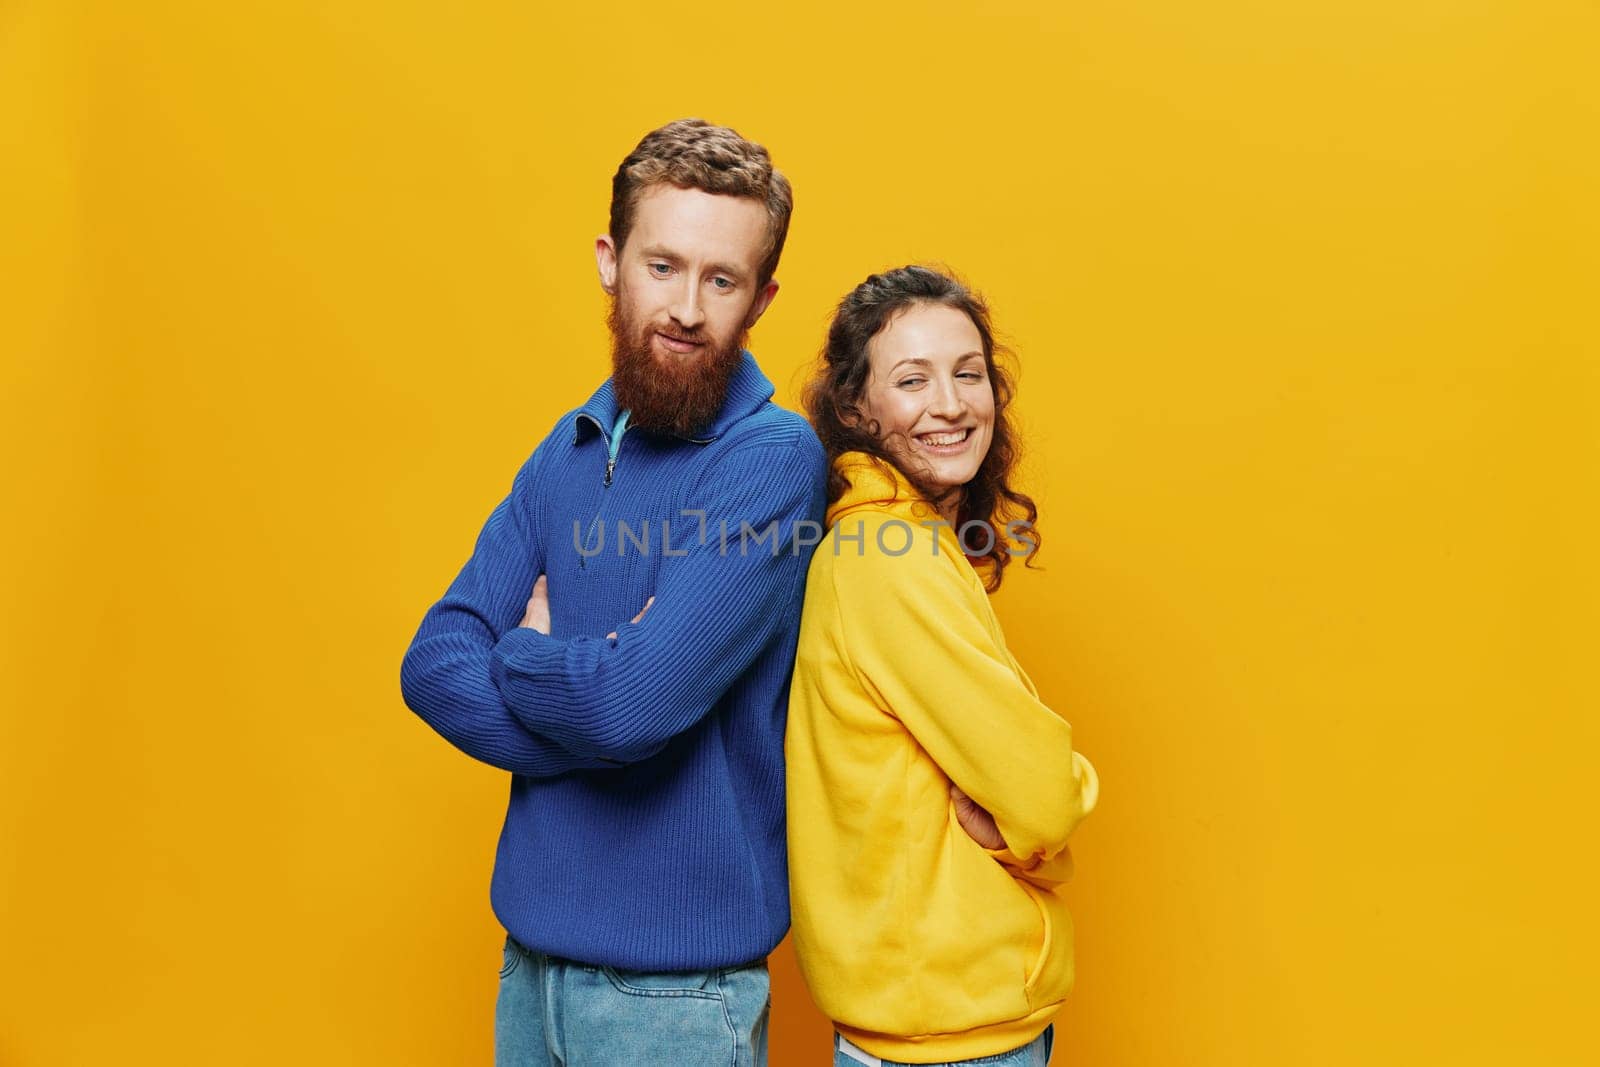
{"type": "Point", "coordinates": [622, 638]}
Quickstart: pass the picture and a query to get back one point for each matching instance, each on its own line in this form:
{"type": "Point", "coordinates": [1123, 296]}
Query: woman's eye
{"type": "Point", "coordinates": [973, 376]}
{"type": "Point", "coordinates": [906, 383]}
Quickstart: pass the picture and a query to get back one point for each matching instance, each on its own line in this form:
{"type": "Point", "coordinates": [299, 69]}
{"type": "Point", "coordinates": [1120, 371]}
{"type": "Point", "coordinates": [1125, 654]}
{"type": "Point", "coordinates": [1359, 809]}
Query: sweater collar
{"type": "Point", "coordinates": [748, 390]}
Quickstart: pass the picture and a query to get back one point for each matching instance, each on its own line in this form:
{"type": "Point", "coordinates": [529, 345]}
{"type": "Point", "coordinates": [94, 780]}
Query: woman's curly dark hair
{"type": "Point", "coordinates": [834, 403]}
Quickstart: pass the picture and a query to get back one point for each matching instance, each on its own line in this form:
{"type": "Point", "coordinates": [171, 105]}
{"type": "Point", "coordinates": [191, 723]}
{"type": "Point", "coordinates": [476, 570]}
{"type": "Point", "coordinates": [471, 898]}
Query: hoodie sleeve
{"type": "Point", "coordinates": [920, 643]}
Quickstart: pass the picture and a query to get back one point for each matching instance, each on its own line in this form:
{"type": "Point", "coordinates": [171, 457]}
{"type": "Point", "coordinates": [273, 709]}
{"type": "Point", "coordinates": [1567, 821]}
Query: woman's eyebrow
{"type": "Point", "coordinates": [924, 362]}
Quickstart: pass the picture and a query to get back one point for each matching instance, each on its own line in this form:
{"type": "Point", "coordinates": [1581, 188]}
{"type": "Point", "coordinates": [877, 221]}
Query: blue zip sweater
{"type": "Point", "coordinates": [646, 823]}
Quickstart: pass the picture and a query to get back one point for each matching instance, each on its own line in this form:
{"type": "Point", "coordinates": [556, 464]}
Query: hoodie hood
{"type": "Point", "coordinates": [877, 485]}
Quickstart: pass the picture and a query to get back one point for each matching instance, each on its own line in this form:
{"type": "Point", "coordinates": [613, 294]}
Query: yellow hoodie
{"type": "Point", "coordinates": [921, 945]}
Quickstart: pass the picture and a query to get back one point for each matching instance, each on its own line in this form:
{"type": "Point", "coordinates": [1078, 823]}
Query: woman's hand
{"type": "Point", "coordinates": [976, 821]}
{"type": "Point", "coordinates": [537, 614]}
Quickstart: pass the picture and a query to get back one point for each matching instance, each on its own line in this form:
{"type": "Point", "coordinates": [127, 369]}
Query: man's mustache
{"type": "Point", "coordinates": [697, 337]}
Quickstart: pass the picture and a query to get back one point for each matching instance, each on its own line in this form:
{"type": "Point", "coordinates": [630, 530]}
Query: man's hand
{"type": "Point", "coordinates": [612, 636]}
{"type": "Point", "coordinates": [977, 822]}
{"type": "Point", "coordinates": [537, 615]}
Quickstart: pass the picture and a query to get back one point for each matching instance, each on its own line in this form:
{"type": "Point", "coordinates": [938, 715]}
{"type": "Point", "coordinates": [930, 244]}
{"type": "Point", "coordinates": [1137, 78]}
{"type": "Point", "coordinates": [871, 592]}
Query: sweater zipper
{"type": "Point", "coordinates": [613, 448]}
{"type": "Point", "coordinates": [614, 445]}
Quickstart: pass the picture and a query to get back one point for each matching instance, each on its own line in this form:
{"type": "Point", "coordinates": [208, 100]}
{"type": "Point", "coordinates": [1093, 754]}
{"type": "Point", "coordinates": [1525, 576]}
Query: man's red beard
{"type": "Point", "coordinates": [668, 393]}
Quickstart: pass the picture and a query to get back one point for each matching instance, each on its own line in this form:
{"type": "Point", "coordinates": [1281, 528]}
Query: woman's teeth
{"type": "Point", "coordinates": [937, 440]}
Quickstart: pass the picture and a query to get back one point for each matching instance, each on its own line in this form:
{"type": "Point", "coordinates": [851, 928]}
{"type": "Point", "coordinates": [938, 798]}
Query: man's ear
{"type": "Point", "coordinates": [605, 259]}
{"type": "Point", "coordinates": [768, 293]}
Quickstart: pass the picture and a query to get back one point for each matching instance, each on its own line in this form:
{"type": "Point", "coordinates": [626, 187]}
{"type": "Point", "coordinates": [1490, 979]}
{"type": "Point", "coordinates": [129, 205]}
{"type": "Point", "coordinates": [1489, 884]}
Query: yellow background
{"type": "Point", "coordinates": [1305, 299]}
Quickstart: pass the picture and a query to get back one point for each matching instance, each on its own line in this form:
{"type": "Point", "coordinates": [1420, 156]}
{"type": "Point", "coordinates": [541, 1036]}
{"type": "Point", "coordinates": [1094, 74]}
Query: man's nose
{"type": "Point", "coordinates": [685, 308]}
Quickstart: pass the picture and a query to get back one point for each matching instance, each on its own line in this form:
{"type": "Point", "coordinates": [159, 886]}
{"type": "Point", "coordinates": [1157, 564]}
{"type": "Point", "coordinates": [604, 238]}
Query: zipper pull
{"type": "Point", "coordinates": [614, 444]}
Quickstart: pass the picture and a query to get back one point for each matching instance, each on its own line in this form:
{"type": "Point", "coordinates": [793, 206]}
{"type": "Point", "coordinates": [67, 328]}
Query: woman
{"type": "Point", "coordinates": [930, 792]}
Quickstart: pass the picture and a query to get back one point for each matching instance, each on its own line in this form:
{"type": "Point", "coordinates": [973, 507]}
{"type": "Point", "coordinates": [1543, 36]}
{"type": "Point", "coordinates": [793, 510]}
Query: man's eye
{"type": "Point", "coordinates": [659, 268]}
{"type": "Point", "coordinates": [722, 283]}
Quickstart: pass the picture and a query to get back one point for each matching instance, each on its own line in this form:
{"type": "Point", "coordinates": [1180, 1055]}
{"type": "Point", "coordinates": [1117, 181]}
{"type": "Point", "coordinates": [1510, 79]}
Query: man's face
{"type": "Point", "coordinates": [684, 295]}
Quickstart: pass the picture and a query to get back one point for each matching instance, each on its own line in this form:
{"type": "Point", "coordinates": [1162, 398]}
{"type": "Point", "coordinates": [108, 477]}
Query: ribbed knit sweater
{"type": "Point", "coordinates": [646, 822]}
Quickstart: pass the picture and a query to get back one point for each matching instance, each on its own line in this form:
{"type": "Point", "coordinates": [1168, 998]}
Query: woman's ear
{"type": "Point", "coordinates": [852, 417]}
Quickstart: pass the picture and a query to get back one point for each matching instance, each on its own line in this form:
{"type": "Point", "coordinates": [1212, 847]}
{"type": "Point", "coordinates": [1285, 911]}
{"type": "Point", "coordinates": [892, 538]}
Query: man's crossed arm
{"type": "Point", "coordinates": [519, 699]}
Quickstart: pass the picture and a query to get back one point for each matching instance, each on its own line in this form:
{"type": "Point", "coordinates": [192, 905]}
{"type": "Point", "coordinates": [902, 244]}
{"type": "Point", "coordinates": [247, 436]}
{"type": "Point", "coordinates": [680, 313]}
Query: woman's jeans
{"type": "Point", "coordinates": [553, 1012]}
{"type": "Point", "coordinates": [1035, 1053]}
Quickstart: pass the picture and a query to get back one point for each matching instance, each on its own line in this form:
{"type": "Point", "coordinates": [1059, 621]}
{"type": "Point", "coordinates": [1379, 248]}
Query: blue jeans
{"type": "Point", "coordinates": [1035, 1053]}
{"type": "Point", "coordinates": [553, 1012]}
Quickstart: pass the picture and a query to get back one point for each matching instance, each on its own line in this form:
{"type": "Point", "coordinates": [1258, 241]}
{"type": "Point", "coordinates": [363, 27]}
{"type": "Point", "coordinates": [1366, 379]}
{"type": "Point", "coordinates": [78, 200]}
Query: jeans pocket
{"type": "Point", "coordinates": [636, 1017]}
{"type": "Point", "coordinates": [664, 983]}
{"type": "Point", "coordinates": [1034, 1052]}
{"type": "Point", "coordinates": [747, 999]}
{"type": "Point", "coordinates": [510, 958]}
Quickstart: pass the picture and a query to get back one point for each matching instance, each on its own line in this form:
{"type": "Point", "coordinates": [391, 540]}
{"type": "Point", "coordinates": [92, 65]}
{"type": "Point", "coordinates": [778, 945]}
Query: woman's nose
{"type": "Point", "coordinates": [947, 401]}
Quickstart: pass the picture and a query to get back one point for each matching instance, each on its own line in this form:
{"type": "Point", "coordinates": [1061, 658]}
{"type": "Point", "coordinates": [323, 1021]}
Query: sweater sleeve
{"type": "Point", "coordinates": [717, 606]}
{"type": "Point", "coordinates": [445, 675]}
{"type": "Point", "coordinates": [922, 649]}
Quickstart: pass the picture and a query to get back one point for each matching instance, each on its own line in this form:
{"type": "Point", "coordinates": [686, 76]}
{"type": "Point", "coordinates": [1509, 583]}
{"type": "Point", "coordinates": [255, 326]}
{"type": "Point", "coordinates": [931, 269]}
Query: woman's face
{"type": "Point", "coordinates": [929, 383]}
